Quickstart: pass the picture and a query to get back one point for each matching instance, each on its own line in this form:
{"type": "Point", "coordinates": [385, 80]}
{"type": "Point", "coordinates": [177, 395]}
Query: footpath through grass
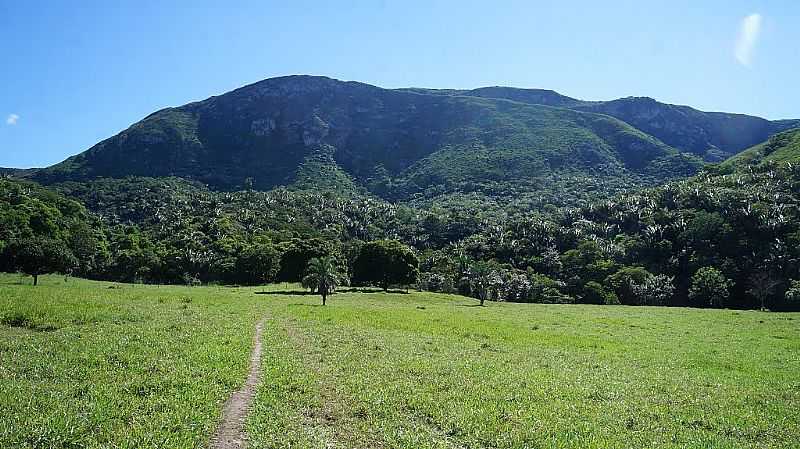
{"type": "Point", "coordinates": [100, 365]}
{"type": "Point", "coordinates": [87, 364]}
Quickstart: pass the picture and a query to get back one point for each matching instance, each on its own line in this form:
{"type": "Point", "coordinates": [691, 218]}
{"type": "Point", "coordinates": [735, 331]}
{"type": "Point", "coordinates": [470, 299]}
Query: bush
{"type": "Point", "coordinates": [793, 295]}
{"type": "Point", "coordinates": [547, 290]}
{"type": "Point", "coordinates": [434, 282]}
{"type": "Point", "coordinates": [655, 291]}
{"type": "Point", "coordinates": [709, 287]}
{"type": "Point", "coordinates": [515, 287]}
{"type": "Point", "coordinates": [621, 281]}
{"type": "Point", "coordinates": [595, 293]}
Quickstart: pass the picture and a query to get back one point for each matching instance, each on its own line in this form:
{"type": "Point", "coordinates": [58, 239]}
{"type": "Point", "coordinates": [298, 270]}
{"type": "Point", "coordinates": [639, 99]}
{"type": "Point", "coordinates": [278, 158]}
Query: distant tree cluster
{"type": "Point", "coordinates": [42, 232]}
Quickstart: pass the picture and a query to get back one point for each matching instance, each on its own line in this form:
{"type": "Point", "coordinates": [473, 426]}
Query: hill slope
{"type": "Point", "coordinates": [782, 147]}
{"type": "Point", "coordinates": [713, 136]}
{"type": "Point", "coordinates": [396, 143]}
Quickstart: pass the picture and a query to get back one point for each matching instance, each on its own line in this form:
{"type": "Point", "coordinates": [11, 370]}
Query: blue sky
{"type": "Point", "coordinates": [74, 75]}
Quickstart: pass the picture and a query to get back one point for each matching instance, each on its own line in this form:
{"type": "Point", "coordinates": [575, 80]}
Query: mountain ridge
{"type": "Point", "coordinates": [783, 147]}
{"type": "Point", "coordinates": [268, 129]}
{"type": "Point", "coordinates": [398, 143]}
{"type": "Point", "coordinates": [704, 133]}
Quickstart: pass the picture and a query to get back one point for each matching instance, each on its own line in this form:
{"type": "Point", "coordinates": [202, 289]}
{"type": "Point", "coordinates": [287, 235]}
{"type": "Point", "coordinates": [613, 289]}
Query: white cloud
{"type": "Point", "coordinates": [12, 119]}
{"type": "Point", "coordinates": [748, 37]}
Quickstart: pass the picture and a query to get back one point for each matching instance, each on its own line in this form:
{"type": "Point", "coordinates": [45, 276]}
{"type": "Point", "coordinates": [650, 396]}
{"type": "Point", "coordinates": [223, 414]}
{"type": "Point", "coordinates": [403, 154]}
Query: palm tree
{"type": "Point", "coordinates": [323, 275]}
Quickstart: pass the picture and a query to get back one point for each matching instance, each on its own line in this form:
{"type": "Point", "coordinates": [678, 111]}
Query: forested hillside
{"type": "Point", "coordinates": [726, 238]}
{"type": "Point", "coordinates": [396, 144]}
{"type": "Point", "coordinates": [729, 237]}
{"type": "Point", "coordinates": [495, 198]}
{"type": "Point", "coordinates": [780, 148]}
{"type": "Point", "coordinates": [42, 230]}
{"type": "Point", "coordinates": [714, 136]}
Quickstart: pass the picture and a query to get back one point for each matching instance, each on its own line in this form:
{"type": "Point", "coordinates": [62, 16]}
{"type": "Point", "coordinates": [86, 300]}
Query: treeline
{"type": "Point", "coordinates": [716, 240]}
{"type": "Point", "coordinates": [43, 232]}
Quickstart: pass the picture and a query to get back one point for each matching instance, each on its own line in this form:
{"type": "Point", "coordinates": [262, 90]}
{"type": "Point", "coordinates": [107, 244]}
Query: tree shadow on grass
{"type": "Point", "coordinates": [288, 292]}
{"type": "Point", "coordinates": [371, 290]}
{"type": "Point", "coordinates": [341, 290]}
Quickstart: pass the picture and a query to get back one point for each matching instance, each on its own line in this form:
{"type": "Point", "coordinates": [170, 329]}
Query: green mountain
{"type": "Point", "coordinates": [15, 172]}
{"type": "Point", "coordinates": [714, 136]}
{"type": "Point", "coordinates": [394, 143]}
{"type": "Point", "coordinates": [531, 146]}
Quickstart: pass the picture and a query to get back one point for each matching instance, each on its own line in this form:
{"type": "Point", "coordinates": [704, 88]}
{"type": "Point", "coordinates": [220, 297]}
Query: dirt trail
{"type": "Point", "coordinates": [230, 433]}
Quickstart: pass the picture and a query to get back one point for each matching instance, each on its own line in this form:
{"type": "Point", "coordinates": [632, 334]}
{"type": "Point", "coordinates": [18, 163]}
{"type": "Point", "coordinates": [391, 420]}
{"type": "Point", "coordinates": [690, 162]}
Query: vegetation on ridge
{"type": "Point", "coordinates": [395, 143]}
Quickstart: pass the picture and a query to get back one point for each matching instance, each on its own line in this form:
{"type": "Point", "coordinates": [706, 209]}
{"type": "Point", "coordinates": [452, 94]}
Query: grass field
{"type": "Point", "coordinates": [85, 365]}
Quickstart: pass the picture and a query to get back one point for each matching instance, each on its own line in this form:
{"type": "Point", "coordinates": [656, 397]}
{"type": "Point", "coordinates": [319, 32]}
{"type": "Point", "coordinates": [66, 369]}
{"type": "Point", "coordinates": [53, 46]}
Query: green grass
{"type": "Point", "coordinates": [82, 365]}
{"type": "Point", "coordinates": [91, 365]}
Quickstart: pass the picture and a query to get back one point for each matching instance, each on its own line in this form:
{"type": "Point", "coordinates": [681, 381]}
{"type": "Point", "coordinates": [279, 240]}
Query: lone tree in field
{"type": "Point", "coordinates": [385, 263]}
{"type": "Point", "coordinates": [322, 276]}
{"type": "Point", "coordinates": [39, 256]}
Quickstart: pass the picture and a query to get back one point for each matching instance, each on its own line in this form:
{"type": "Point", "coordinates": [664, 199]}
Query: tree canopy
{"type": "Point", "coordinates": [322, 276]}
{"type": "Point", "coordinates": [37, 256]}
{"type": "Point", "coordinates": [385, 263]}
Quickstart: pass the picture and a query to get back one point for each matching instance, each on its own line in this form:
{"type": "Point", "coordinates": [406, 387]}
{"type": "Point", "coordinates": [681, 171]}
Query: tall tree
{"type": "Point", "coordinates": [298, 252]}
{"type": "Point", "coordinates": [485, 281]}
{"type": "Point", "coordinates": [257, 263]}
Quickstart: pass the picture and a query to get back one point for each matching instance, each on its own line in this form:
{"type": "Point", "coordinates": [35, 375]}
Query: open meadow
{"type": "Point", "coordinates": [91, 364]}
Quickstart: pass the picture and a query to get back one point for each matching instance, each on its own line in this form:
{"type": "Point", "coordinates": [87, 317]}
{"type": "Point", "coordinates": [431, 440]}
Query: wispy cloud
{"type": "Point", "coordinates": [12, 119]}
{"type": "Point", "coordinates": [748, 38]}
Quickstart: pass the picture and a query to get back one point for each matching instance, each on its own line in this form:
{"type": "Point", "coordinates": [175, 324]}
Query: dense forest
{"type": "Point", "coordinates": [728, 237]}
